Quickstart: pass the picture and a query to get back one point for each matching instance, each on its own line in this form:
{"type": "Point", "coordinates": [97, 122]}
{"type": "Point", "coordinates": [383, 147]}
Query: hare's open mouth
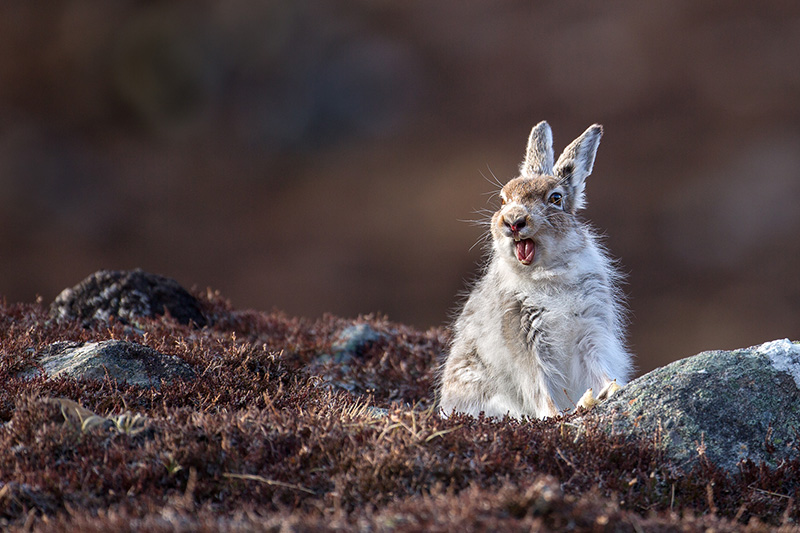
{"type": "Point", "coordinates": [525, 249]}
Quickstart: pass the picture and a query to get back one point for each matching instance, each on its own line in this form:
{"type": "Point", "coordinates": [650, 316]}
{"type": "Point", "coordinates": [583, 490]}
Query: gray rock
{"type": "Point", "coordinates": [347, 348]}
{"type": "Point", "coordinates": [120, 360]}
{"type": "Point", "coordinates": [728, 405]}
{"type": "Point", "coordinates": [126, 295]}
{"type": "Point", "coordinates": [353, 341]}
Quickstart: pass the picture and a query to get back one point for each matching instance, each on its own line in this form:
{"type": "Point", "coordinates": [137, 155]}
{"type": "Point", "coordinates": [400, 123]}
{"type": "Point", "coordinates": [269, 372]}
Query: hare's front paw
{"type": "Point", "coordinates": [588, 399]}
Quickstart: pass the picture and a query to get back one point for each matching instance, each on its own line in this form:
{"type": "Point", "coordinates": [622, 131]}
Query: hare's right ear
{"type": "Point", "coordinates": [539, 156]}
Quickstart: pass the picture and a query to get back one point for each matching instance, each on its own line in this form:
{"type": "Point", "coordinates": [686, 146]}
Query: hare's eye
{"type": "Point", "coordinates": [502, 201]}
{"type": "Point", "coordinates": [555, 199]}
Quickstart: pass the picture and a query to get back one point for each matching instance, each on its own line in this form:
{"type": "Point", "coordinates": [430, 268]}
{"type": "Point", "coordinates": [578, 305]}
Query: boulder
{"type": "Point", "coordinates": [726, 405]}
{"type": "Point", "coordinates": [126, 295]}
{"type": "Point", "coordinates": [120, 360]}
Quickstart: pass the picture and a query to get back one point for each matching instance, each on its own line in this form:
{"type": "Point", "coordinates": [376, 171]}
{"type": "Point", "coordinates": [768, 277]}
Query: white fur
{"type": "Point", "coordinates": [532, 338]}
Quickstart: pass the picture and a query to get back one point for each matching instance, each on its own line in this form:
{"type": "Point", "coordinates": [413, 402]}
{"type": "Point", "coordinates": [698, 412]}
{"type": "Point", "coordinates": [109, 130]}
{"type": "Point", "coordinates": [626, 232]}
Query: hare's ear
{"type": "Point", "coordinates": [539, 156]}
{"type": "Point", "coordinates": [575, 164]}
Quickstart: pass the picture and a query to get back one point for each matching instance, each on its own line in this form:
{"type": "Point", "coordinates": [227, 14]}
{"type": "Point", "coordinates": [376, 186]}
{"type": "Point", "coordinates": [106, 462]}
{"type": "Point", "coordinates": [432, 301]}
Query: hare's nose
{"type": "Point", "coordinates": [515, 225]}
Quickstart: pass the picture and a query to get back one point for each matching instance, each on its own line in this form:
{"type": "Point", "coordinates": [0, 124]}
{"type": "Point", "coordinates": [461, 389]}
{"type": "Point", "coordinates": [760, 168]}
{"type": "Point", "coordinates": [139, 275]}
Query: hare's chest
{"type": "Point", "coordinates": [549, 310]}
{"type": "Point", "coordinates": [545, 327]}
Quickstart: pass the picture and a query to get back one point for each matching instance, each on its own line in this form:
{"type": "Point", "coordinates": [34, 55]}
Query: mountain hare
{"type": "Point", "coordinates": [545, 322]}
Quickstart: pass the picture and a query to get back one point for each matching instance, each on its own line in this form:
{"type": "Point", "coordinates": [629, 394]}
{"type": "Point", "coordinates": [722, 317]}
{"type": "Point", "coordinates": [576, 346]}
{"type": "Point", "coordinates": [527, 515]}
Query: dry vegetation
{"type": "Point", "coordinates": [258, 442]}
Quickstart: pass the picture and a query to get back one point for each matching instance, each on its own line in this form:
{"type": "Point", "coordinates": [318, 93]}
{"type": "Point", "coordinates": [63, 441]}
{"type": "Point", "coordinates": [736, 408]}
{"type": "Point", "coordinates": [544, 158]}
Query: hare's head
{"type": "Point", "coordinates": [537, 222]}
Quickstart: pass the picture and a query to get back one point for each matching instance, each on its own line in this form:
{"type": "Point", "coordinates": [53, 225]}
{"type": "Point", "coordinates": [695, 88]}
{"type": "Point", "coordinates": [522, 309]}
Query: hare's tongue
{"type": "Point", "coordinates": [525, 251]}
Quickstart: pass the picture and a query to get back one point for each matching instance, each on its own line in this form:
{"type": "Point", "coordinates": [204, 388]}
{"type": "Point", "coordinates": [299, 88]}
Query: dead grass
{"type": "Point", "coordinates": [256, 442]}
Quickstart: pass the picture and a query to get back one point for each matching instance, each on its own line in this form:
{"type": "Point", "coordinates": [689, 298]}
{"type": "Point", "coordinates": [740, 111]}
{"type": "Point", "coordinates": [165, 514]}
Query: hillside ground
{"type": "Point", "coordinates": [276, 434]}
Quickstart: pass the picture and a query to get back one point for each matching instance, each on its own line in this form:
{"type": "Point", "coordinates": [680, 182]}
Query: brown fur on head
{"type": "Point", "coordinates": [535, 196]}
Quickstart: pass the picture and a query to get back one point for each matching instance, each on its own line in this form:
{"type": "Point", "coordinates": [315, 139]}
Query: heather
{"type": "Point", "coordinates": [279, 431]}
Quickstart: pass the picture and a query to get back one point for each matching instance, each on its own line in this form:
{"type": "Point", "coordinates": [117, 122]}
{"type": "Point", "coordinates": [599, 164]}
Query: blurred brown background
{"type": "Point", "coordinates": [320, 156]}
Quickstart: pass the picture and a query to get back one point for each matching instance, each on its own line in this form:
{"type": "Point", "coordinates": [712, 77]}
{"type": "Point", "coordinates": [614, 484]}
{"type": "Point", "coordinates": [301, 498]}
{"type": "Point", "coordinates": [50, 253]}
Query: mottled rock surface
{"type": "Point", "coordinates": [728, 405]}
{"type": "Point", "coordinates": [353, 341]}
{"type": "Point", "coordinates": [119, 360]}
{"type": "Point", "coordinates": [348, 347]}
{"type": "Point", "coordinates": [126, 295]}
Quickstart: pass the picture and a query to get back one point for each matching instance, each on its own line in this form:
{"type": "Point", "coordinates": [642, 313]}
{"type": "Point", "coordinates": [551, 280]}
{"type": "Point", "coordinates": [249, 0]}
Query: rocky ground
{"type": "Point", "coordinates": [119, 412]}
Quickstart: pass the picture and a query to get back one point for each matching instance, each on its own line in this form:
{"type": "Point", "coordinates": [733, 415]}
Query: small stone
{"type": "Point", "coordinates": [353, 341]}
{"type": "Point", "coordinates": [348, 345]}
{"type": "Point", "coordinates": [120, 360]}
{"type": "Point", "coordinates": [126, 295]}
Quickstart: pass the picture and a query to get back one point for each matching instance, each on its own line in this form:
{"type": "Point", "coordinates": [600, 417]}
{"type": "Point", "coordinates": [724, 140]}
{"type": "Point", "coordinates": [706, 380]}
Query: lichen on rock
{"type": "Point", "coordinates": [726, 405]}
{"type": "Point", "coordinates": [118, 360]}
{"type": "Point", "coordinates": [126, 295]}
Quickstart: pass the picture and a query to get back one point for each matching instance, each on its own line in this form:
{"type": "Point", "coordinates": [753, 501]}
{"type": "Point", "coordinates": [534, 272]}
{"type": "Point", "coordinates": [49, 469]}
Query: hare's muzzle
{"type": "Point", "coordinates": [515, 220]}
{"type": "Point", "coordinates": [515, 223]}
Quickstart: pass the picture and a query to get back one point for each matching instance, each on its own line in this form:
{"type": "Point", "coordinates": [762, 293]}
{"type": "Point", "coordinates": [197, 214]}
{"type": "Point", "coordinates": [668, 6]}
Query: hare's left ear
{"type": "Point", "coordinates": [539, 155]}
{"type": "Point", "coordinates": [575, 164]}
